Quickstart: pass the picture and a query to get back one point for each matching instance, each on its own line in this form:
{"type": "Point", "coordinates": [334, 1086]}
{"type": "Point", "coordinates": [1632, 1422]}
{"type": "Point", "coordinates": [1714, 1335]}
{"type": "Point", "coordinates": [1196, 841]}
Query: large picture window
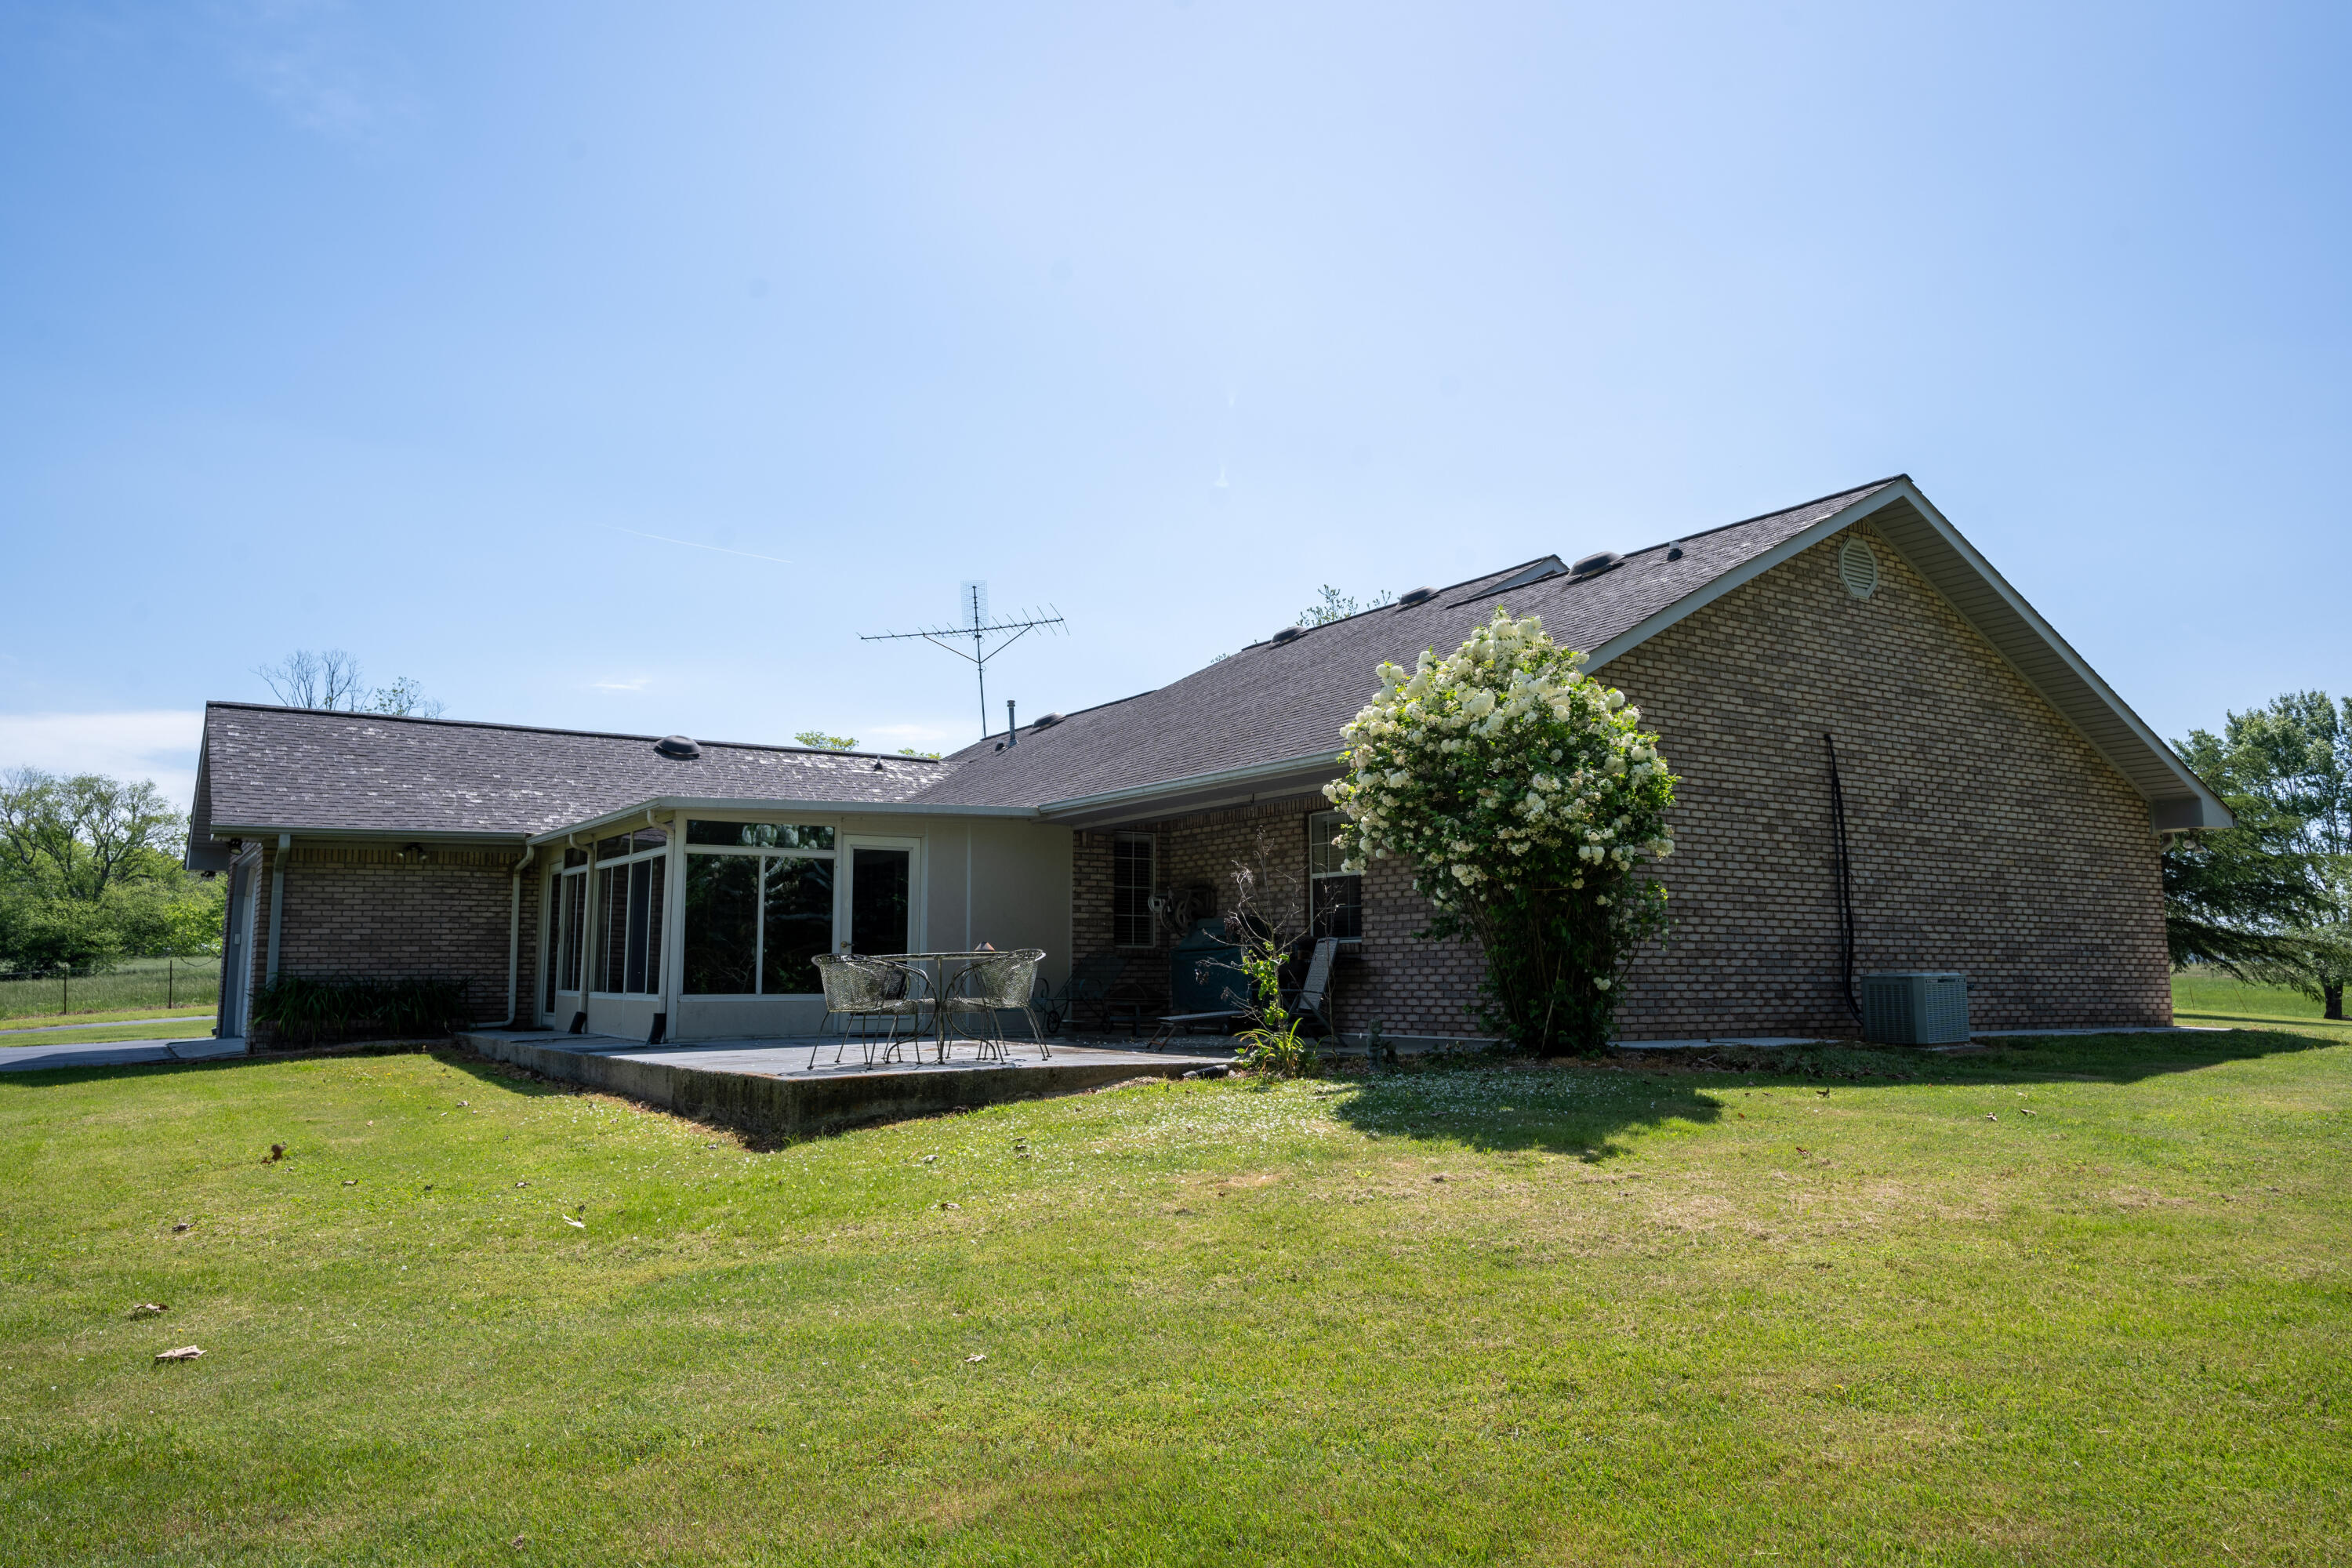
{"type": "Point", "coordinates": [1338, 893]}
{"type": "Point", "coordinates": [756, 919]}
{"type": "Point", "coordinates": [1130, 890]}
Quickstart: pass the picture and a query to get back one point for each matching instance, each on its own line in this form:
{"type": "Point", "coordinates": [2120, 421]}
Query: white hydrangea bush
{"type": "Point", "coordinates": [1529, 800]}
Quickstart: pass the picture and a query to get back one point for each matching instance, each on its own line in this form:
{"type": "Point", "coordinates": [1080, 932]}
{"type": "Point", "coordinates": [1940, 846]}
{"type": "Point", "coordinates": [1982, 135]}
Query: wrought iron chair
{"type": "Point", "coordinates": [859, 989]}
{"type": "Point", "coordinates": [1092, 980]}
{"type": "Point", "coordinates": [1001, 982]}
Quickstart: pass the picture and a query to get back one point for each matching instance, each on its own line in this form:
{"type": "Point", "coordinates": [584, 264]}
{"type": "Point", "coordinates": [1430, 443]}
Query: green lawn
{"type": "Point", "coordinates": [2082, 1300]}
{"type": "Point", "coordinates": [134, 987]}
{"type": "Point", "coordinates": [142, 1025]}
{"type": "Point", "coordinates": [2220, 1000]}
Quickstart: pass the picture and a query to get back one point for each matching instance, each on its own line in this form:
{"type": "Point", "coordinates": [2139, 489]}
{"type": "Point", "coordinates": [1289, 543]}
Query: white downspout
{"type": "Point", "coordinates": [277, 904]}
{"type": "Point", "coordinates": [514, 938]}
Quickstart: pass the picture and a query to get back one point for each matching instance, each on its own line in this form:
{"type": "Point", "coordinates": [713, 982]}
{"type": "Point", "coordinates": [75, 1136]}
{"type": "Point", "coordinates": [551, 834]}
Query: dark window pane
{"type": "Point", "coordinates": [1339, 907]}
{"type": "Point", "coordinates": [612, 849]}
{"type": "Point", "coordinates": [659, 869]}
{"type": "Point", "coordinates": [878, 899]}
{"type": "Point", "coordinates": [641, 890]}
{"type": "Point", "coordinates": [759, 834]}
{"type": "Point", "coordinates": [612, 926]}
{"type": "Point", "coordinates": [575, 926]}
{"type": "Point", "coordinates": [722, 924]}
{"type": "Point", "coordinates": [800, 925]}
{"type": "Point", "coordinates": [1130, 890]}
{"type": "Point", "coordinates": [574, 858]}
{"type": "Point", "coordinates": [550, 921]}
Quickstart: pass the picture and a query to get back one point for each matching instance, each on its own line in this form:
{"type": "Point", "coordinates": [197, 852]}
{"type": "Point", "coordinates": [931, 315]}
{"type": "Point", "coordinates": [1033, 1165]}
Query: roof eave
{"type": "Point", "coordinates": [674, 804]}
{"type": "Point", "coordinates": [1196, 792]}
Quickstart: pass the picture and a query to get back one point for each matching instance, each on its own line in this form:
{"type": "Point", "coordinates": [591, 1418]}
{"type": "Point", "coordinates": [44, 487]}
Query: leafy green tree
{"type": "Point", "coordinates": [76, 838]}
{"type": "Point", "coordinates": [818, 740]}
{"type": "Point", "coordinates": [1334, 605]}
{"type": "Point", "coordinates": [2271, 899]}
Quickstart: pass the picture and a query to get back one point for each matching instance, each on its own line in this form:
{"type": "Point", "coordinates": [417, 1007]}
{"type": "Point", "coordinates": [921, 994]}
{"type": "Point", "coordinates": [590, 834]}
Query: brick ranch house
{"type": "Point", "coordinates": [2004, 814]}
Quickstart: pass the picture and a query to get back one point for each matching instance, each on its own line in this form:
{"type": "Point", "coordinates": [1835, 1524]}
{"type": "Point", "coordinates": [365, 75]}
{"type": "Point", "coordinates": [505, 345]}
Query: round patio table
{"type": "Point", "coordinates": [942, 971]}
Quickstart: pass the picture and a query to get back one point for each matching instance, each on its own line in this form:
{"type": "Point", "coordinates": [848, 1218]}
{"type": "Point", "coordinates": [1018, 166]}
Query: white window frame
{"type": "Point", "coordinates": [762, 852]}
{"type": "Point", "coordinates": [1319, 841]}
{"type": "Point", "coordinates": [592, 938]}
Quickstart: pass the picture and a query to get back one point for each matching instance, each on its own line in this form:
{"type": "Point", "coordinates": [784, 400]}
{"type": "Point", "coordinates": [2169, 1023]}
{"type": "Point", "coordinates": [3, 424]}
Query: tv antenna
{"type": "Point", "coordinates": [971, 606]}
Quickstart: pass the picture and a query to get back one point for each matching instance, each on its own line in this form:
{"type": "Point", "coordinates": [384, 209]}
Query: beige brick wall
{"type": "Point", "coordinates": [359, 910]}
{"type": "Point", "coordinates": [1987, 836]}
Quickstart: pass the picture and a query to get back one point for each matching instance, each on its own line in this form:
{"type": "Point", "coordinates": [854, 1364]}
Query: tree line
{"type": "Point", "coordinates": [2270, 900]}
{"type": "Point", "coordinates": [90, 873]}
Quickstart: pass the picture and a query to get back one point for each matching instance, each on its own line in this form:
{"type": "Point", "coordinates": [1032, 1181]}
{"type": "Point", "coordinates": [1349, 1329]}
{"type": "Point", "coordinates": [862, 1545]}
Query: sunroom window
{"type": "Point", "coordinates": [629, 900]}
{"type": "Point", "coordinates": [755, 918]}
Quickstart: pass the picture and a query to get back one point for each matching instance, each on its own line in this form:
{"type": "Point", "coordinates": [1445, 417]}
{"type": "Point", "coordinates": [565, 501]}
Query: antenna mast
{"type": "Point", "coordinates": [971, 607]}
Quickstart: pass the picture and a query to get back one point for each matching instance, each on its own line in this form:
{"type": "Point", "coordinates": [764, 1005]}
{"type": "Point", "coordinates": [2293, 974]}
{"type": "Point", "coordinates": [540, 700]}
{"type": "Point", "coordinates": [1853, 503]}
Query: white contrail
{"type": "Point", "coordinates": [690, 544]}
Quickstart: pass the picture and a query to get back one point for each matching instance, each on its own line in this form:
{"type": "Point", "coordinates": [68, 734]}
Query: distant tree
{"type": "Point", "coordinates": [910, 752]}
{"type": "Point", "coordinates": [308, 680]}
{"type": "Point", "coordinates": [1334, 605]}
{"type": "Point", "coordinates": [818, 740]}
{"type": "Point", "coordinates": [2271, 899]}
{"type": "Point", "coordinates": [333, 680]}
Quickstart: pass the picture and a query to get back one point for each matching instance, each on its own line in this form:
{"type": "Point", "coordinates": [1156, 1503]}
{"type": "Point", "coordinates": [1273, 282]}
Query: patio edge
{"type": "Point", "coordinates": [805, 1107]}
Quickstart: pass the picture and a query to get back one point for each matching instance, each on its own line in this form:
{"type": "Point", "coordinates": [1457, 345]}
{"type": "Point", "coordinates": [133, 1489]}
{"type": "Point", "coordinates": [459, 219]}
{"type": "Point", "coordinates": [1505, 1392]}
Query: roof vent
{"type": "Point", "coordinates": [677, 747]}
{"type": "Point", "coordinates": [1288, 634]}
{"type": "Point", "coordinates": [1418, 597]}
{"type": "Point", "coordinates": [1047, 722]}
{"type": "Point", "coordinates": [878, 767]}
{"type": "Point", "coordinates": [1858, 568]}
{"type": "Point", "coordinates": [1593, 566]}
{"type": "Point", "coordinates": [1676, 554]}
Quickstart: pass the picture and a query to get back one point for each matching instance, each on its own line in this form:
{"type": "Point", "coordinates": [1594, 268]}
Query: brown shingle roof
{"type": "Point", "coordinates": [303, 770]}
{"type": "Point", "coordinates": [1275, 701]}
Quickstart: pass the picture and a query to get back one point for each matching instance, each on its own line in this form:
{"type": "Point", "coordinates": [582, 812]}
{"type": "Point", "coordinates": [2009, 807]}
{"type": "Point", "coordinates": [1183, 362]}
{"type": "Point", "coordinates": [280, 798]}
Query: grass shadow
{"type": "Point", "coordinates": [1501, 1103]}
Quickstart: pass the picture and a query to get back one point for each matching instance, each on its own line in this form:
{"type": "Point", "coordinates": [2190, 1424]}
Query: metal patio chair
{"type": "Point", "coordinates": [859, 989]}
{"type": "Point", "coordinates": [1001, 982]}
{"type": "Point", "coordinates": [1092, 980]}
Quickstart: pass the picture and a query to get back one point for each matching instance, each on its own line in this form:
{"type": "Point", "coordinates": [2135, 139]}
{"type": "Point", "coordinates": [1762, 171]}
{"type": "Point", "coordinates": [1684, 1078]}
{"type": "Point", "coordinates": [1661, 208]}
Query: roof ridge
{"type": "Point", "coordinates": [1778, 511]}
{"type": "Point", "coordinates": [558, 730]}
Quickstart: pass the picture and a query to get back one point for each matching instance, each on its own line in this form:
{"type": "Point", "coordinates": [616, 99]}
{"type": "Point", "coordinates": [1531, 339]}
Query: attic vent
{"type": "Point", "coordinates": [1858, 568]}
{"type": "Point", "coordinates": [1418, 597]}
{"type": "Point", "coordinates": [1048, 723]}
{"type": "Point", "coordinates": [1288, 634]}
{"type": "Point", "coordinates": [1593, 566]}
{"type": "Point", "coordinates": [678, 747]}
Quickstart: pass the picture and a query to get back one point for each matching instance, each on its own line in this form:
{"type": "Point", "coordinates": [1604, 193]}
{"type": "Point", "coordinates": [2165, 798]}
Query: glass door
{"type": "Point", "coordinates": [879, 901]}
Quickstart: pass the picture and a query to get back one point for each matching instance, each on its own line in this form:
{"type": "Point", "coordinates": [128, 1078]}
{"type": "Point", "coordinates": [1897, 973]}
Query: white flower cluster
{"type": "Point", "coordinates": [1502, 763]}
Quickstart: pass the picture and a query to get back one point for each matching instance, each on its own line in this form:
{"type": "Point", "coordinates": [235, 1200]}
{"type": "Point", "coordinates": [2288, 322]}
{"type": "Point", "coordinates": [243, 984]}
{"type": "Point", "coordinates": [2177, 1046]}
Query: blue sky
{"type": "Point", "coordinates": [397, 329]}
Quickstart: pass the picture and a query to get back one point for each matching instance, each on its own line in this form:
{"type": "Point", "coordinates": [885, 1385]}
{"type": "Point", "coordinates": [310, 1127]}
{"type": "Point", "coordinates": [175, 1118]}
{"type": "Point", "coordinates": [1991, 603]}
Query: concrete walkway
{"type": "Point", "coordinates": [103, 1024]}
{"type": "Point", "coordinates": [769, 1083]}
{"type": "Point", "coordinates": [50, 1054]}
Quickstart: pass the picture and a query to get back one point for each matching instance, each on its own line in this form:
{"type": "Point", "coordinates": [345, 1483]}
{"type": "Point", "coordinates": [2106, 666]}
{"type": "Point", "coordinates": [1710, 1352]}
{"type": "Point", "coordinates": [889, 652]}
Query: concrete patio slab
{"type": "Point", "coordinates": [770, 1084]}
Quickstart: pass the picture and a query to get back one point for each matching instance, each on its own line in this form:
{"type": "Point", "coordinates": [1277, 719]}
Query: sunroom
{"type": "Point", "coordinates": [703, 919]}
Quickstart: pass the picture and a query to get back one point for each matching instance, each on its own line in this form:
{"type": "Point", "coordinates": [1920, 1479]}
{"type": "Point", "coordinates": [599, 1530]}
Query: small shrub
{"type": "Point", "coordinates": [311, 1008]}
